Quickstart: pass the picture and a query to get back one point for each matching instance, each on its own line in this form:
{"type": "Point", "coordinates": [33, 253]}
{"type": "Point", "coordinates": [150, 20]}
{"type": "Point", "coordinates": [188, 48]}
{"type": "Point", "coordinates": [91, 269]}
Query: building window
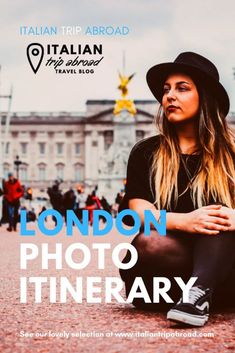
{"type": "Point", "coordinates": [108, 139]}
{"type": "Point", "coordinates": [78, 173]}
{"type": "Point", "coordinates": [24, 148]}
{"type": "Point", "coordinates": [24, 172]}
{"type": "Point", "coordinates": [60, 134]}
{"type": "Point", "coordinates": [7, 147]}
{"type": "Point", "coordinates": [6, 170]}
{"type": "Point", "coordinates": [42, 147]}
{"type": "Point", "coordinates": [60, 171]}
{"type": "Point", "coordinates": [42, 172]}
{"type": "Point", "coordinates": [139, 135]}
{"type": "Point", "coordinates": [42, 133]}
{"type": "Point", "coordinates": [77, 148]}
{"type": "Point", "coordinates": [59, 147]}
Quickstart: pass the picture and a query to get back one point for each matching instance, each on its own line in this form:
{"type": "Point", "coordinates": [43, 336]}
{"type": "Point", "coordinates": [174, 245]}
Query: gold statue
{"type": "Point", "coordinates": [124, 104]}
{"type": "Point", "coordinates": [123, 85]}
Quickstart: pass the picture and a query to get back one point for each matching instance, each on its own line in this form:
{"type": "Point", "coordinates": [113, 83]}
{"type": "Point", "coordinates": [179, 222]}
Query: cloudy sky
{"type": "Point", "coordinates": [159, 31]}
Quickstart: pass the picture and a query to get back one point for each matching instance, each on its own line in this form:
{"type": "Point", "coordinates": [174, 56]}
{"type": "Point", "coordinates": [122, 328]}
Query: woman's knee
{"type": "Point", "coordinates": [158, 255]}
{"type": "Point", "coordinates": [161, 247]}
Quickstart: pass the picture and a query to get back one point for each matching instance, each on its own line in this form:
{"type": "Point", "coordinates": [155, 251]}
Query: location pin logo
{"type": "Point", "coordinates": [35, 53]}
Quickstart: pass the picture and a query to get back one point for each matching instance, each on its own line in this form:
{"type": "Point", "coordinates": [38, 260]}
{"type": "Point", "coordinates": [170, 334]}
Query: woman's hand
{"type": "Point", "coordinates": [230, 212]}
{"type": "Point", "coordinates": [206, 220]}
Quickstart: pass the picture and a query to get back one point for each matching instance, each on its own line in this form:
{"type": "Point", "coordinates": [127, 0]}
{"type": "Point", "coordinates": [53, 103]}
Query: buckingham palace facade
{"type": "Point", "coordinates": [90, 149]}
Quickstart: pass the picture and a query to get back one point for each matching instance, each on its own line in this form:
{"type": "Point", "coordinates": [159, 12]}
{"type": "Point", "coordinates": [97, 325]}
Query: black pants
{"type": "Point", "coordinates": [209, 258]}
{"type": "Point", "coordinates": [13, 213]}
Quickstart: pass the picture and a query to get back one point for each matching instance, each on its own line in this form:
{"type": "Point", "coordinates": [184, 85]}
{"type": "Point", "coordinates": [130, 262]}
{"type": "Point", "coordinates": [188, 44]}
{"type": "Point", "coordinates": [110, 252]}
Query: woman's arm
{"type": "Point", "coordinates": [206, 220]}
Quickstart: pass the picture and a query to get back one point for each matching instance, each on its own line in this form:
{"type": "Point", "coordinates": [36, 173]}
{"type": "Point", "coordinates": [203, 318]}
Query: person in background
{"type": "Point", "coordinates": [69, 202]}
{"type": "Point", "coordinates": [96, 200]}
{"type": "Point", "coordinates": [80, 202]}
{"type": "Point", "coordinates": [1, 206]}
{"type": "Point", "coordinates": [12, 191]}
{"type": "Point", "coordinates": [105, 205]}
{"type": "Point", "coordinates": [90, 206]}
{"type": "Point", "coordinates": [118, 200]}
{"type": "Point", "coordinates": [56, 199]}
{"type": "Point", "coordinates": [43, 208]}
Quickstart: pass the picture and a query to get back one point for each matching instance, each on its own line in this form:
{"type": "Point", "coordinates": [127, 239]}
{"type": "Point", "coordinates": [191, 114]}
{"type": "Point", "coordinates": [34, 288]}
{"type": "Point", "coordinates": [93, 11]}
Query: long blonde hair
{"type": "Point", "coordinates": [215, 178]}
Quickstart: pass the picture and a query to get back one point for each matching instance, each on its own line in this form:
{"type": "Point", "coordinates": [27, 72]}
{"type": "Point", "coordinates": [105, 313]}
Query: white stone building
{"type": "Point", "coordinates": [90, 149]}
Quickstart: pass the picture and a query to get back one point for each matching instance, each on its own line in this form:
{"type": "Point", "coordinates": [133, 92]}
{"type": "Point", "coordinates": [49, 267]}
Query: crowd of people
{"type": "Point", "coordinates": [76, 200]}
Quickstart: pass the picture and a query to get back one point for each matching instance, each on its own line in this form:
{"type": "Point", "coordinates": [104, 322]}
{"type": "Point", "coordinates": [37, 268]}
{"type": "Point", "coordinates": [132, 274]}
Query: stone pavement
{"type": "Point", "coordinates": [102, 327]}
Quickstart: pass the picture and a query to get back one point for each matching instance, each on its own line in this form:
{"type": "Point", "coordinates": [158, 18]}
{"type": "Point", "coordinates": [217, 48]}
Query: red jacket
{"type": "Point", "coordinates": [13, 190]}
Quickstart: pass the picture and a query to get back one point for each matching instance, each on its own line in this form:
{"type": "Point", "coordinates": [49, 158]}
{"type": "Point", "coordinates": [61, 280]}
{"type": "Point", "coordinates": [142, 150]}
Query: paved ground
{"type": "Point", "coordinates": [93, 324]}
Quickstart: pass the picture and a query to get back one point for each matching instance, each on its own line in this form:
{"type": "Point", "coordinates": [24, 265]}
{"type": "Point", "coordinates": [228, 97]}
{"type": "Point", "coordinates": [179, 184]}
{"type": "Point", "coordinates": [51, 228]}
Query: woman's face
{"type": "Point", "coordinates": [180, 99]}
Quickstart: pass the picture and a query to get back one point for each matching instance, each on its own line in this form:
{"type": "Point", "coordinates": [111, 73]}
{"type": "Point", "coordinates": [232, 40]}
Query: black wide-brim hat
{"type": "Point", "coordinates": [193, 64]}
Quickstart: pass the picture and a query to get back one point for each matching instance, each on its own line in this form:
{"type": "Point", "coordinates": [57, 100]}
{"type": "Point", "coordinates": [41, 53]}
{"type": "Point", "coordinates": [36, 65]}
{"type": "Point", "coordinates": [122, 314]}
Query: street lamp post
{"type": "Point", "coordinates": [17, 163]}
